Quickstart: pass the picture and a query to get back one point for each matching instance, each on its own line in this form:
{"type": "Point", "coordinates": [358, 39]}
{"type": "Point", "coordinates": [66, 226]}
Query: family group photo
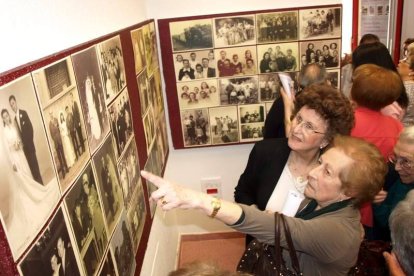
{"type": "Point", "coordinates": [224, 125]}
{"type": "Point", "coordinates": [233, 31]}
{"type": "Point", "coordinates": [323, 52]}
{"type": "Point", "coordinates": [195, 126]}
{"type": "Point", "coordinates": [278, 57]}
{"type": "Point", "coordinates": [239, 91]}
{"type": "Point", "coordinates": [198, 94]}
{"type": "Point", "coordinates": [237, 61]}
{"type": "Point", "coordinates": [320, 23]}
{"type": "Point", "coordinates": [277, 26]}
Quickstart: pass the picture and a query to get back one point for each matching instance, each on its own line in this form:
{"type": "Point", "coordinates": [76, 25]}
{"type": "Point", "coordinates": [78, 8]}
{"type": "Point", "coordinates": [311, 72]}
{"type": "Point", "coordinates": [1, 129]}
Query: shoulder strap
{"type": "Point", "coordinates": [292, 251]}
{"type": "Point", "coordinates": [278, 249]}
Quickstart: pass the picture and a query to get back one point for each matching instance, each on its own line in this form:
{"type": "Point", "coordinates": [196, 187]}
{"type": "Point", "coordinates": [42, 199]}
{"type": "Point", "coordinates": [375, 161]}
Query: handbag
{"type": "Point", "coordinates": [370, 259]}
{"type": "Point", "coordinates": [264, 260]}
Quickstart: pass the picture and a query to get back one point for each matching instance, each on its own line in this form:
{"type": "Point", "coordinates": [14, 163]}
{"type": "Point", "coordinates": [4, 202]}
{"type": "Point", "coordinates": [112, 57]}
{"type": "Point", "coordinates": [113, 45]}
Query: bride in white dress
{"type": "Point", "coordinates": [92, 112]}
{"type": "Point", "coordinates": [25, 204]}
{"type": "Point", "coordinates": [67, 143]}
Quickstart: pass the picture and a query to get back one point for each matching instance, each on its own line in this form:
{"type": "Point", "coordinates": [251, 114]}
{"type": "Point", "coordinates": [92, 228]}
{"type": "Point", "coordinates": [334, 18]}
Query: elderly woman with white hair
{"type": "Point", "coordinates": [401, 184]}
{"type": "Point", "coordinates": [406, 71]}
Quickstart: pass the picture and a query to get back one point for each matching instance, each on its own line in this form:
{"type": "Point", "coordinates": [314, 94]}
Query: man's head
{"type": "Point", "coordinates": [311, 74]}
{"type": "Point", "coordinates": [193, 56]}
{"type": "Point", "coordinates": [60, 247]}
{"type": "Point", "coordinates": [186, 63]}
{"type": "Point", "coordinates": [13, 104]}
{"type": "Point", "coordinates": [205, 61]}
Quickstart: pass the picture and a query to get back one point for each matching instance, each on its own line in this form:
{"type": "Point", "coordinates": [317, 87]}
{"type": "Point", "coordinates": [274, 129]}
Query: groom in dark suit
{"type": "Point", "coordinates": [26, 134]}
{"type": "Point", "coordinates": [67, 257]}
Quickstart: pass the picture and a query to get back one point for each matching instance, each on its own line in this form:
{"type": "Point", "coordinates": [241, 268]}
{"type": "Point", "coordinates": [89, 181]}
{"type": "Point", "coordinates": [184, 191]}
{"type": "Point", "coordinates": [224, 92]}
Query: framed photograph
{"type": "Point", "coordinates": [111, 62]}
{"type": "Point", "coordinates": [195, 65]}
{"type": "Point", "coordinates": [191, 34]}
{"type": "Point", "coordinates": [270, 85]}
{"type": "Point", "coordinates": [128, 167]}
{"type": "Point", "coordinates": [136, 216]}
{"type": "Point", "coordinates": [195, 125]}
{"type": "Point", "coordinates": [281, 57]}
{"type": "Point", "coordinates": [53, 253]}
{"type": "Point", "coordinates": [150, 45]}
{"type": "Point", "coordinates": [239, 91]}
{"type": "Point", "coordinates": [323, 52]}
{"type": "Point", "coordinates": [224, 125]}
{"type": "Point", "coordinates": [121, 245]}
{"type": "Point", "coordinates": [137, 38]}
{"type": "Point", "coordinates": [29, 188]}
{"type": "Point", "coordinates": [87, 220]}
{"type": "Point", "coordinates": [91, 92]}
{"type": "Point", "coordinates": [109, 185]}
{"type": "Point", "coordinates": [277, 26]}
{"type": "Point", "coordinates": [198, 94]}
{"type": "Point", "coordinates": [234, 31]}
{"type": "Point", "coordinates": [238, 61]}
{"type": "Point", "coordinates": [320, 23]}
{"type": "Point", "coordinates": [121, 121]}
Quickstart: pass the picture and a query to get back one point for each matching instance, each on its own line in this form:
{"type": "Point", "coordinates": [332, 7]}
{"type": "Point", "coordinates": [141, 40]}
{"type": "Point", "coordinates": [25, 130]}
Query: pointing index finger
{"type": "Point", "coordinates": [156, 180]}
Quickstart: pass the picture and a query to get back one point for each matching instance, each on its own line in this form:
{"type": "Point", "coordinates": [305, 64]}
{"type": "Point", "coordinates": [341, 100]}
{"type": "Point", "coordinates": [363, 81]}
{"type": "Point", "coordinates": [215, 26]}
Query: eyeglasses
{"type": "Point", "coordinates": [405, 163]}
{"type": "Point", "coordinates": [307, 127]}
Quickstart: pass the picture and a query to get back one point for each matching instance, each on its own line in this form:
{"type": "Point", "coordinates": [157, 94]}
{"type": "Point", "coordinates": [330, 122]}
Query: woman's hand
{"type": "Point", "coordinates": [380, 197]}
{"type": "Point", "coordinates": [393, 265]}
{"type": "Point", "coordinates": [288, 103]}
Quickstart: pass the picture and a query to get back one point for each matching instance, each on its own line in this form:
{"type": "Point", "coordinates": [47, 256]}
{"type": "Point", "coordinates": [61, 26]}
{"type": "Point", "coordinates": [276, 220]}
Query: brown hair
{"type": "Point", "coordinates": [375, 87]}
{"type": "Point", "coordinates": [364, 178]}
{"type": "Point", "coordinates": [331, 105]}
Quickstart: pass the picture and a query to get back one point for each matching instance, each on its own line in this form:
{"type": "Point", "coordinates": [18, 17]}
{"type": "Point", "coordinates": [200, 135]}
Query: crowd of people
{"type": "Point", "coordinates": [348, 158]}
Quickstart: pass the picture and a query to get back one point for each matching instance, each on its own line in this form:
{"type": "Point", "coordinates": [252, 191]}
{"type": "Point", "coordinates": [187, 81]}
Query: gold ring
{"type": "Point", "coordinates": [163, 202]}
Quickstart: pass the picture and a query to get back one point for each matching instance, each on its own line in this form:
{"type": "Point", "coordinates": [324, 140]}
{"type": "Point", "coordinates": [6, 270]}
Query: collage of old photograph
{"type": "Point", "coordinates": [236, 61]}
{"type": "Point", "coordinates": [73, 200]}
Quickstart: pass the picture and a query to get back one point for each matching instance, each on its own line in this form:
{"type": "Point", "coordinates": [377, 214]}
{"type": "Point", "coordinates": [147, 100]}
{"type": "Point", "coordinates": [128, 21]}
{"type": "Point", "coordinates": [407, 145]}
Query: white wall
{"type": "Point", "coordinates": [31, 30]}
{"type": "Point", "coordinates": [407, 30]}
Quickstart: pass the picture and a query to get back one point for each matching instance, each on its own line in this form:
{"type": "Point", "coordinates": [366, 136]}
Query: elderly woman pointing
{"type": "Point", "coordinates": [326, 232]}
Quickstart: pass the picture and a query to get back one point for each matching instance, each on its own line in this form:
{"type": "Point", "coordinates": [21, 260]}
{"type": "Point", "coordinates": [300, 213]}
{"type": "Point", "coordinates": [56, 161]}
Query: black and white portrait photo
{"type": "Point", "coordinates": [29, 188]}
{"type": "Point", "coordinates": [53, 253]}
{"type": "Point", "coordinates": [282, 57]}
{"type": "Point", "coordinates": [196, 127]}
{"type": "Point", "coordinates": [324, 52]}
{"type": "Point", "coordinates": [150, 45]}
{"type": "Point", "coordinates": [239, 91]}
{"type": "Point", "coordinates": [109, 185]}
{"type": "Point", "coordinates": [192, 34]}
{"type": "Point", "coordinates": [195, 65]}
{"type": "Point", "coordinates": [198, 94]}
{"type": "Point", "coordinates": [128, 168]}
{"type": "Point", "coordinates": [121, 245]}
{"type": "Point", "coordinates": [137, 38]}
{"type": "Point", "coordinates": [91, 92]}
{"type": "Point", "coordinates": [142, 81]}
{"type": "Point", "coordinates": [320, 23]}
{"type": "Point", "coordinates": [234, 31]}
{"type": "Point", "coordinates": [136, 216]}
{"type": "Point", "coordinates": [224, 125]}
{"type": "Point", "coordinates": [277, 26]}
{"type": "Point", "coordinates": [87, 220]}
{"type": "Point", "coordinates": [121, 121]}
{"type": "Point", "coordinates": [111, 62]}
{"type": "Point", "coordinates": [239, 61]}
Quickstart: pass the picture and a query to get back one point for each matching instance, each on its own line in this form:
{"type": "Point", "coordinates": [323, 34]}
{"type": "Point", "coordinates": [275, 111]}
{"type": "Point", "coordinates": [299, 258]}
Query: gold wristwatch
{"type": "Point", "coordinates": [216, 204]}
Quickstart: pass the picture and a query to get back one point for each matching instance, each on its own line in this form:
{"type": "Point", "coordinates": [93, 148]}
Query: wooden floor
{"type": "Point", "coordinates": [224, 249]}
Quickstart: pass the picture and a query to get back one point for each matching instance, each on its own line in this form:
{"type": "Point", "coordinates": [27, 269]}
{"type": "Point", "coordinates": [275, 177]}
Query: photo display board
{"type": "Point", "coordinates": [222, 71]}
{"type": "Point", "coordinates": [77, 127]}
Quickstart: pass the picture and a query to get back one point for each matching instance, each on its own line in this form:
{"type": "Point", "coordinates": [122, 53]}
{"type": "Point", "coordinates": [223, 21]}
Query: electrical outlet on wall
{"type": "Point", "coordinates": [211, 186]}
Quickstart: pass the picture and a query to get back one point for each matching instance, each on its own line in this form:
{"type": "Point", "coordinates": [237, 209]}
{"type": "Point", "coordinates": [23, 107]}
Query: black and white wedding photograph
{"type": "Point", "coordinates": [277, 26]}
{"type": "Point", "coordinates": [237, 61]}
{"type": "Point", "coordinates": [136, 216]}
{"type": "Point", "coordinates": [224, 125]}
{"type": "Point", "coordinates": [323, 52]}
{"type": "Point", "coordinates": [87, 220]}
{"type": "Point", "coordinates": [29, 188]}
{"type": "Point", "coordinates": [195, 65]}
{"type": "Point", "coordinates": [239, 91]}
{"type": "Point", "coordinates": [150, 45]}
{"type": "Point", "coordinates": [234, 31]}
{"type": "Point", "coordinates": [192, 34]}
{"type": "Point", "coordinates": [91, 92]}
{"type": "Point", "coordinates": [282, 57]}
{"type": "Point", "coordinates": [137, 38]}
{"type": "Point", "coordinates": [121, 245]}
{"type": "Point", "coordinates": [196, 127]}
{"type": "Point", "coordinates": [320, 23]}
{"type": "Point", "coordinates": [128, 168]}
{"type": "Point", "coordinates": [109, 185]}
{"type": "Point", "coordinates": [198, 94]}
{"type": "Point", "coordinates": [53, 253]}
{"type": "Point", "coordinates": [121, 121]}
{"type": "Point", "coordinates": [111, 62]}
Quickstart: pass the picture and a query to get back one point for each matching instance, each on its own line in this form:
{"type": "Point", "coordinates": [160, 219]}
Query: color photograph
{"type": "Point", "coordinates": [191, 34]}
{"type": "Point", "coordinates": [234, 31]}
{"type": "Point", "coordinates": [29, 188]}
{"type": "Point", "coordinates": [92, 97]}
{"type": "Point", "coordinates": [53, 253]}
{"type": "Point", "coordinates": [277, 26]}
